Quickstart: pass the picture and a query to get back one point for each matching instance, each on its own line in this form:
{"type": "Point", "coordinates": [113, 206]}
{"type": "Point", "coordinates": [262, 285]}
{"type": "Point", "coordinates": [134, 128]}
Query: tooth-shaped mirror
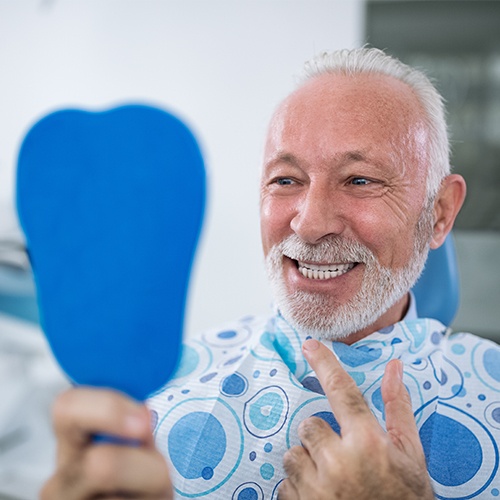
{"type": "Point", "coordinates": [112, 206]}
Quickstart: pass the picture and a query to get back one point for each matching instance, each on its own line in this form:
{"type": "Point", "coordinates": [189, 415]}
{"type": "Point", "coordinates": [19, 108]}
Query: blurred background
{"type": "Point", "coordinates": [222, 66]}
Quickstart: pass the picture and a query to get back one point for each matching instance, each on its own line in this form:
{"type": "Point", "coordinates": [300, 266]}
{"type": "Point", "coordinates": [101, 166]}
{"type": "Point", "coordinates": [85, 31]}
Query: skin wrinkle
{"type": "Point", "coordinates": [397, 201]}
{"type": "Point", "coordinates": [398, 151]}
{"type": "Point", "coordinates": [410, 112]}
{"type": "Point", "coordinates": [427, 97]}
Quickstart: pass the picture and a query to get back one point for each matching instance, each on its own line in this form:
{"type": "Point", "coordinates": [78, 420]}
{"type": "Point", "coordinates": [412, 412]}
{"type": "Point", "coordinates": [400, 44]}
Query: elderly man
{"type": "Point", "coordinates": [356, 188]}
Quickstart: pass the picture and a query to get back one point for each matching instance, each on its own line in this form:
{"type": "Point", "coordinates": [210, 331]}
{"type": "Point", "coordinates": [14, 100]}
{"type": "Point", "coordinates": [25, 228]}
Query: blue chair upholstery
{"type": "Point", "coordinates": [437, 292]}
{"type": "Point", "coordinates": [17, 294]}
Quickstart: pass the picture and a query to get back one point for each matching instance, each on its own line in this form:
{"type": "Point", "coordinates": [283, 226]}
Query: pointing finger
{"type": "Point", "coordinates": [346, 400]}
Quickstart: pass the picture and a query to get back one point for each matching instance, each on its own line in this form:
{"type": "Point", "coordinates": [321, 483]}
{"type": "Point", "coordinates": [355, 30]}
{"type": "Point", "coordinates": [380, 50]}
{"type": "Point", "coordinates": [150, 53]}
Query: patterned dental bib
{"type": "Point", "coordinates": [226, 419]}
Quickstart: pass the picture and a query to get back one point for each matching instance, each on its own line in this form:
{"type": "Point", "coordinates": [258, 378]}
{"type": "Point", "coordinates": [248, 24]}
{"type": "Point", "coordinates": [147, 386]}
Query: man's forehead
{"type": "Point", "coordinates": [361, 101]}
{"type": "Point", "coordinates": [368, 117]}
{"type": "Point", "coordinates": [364, 92]}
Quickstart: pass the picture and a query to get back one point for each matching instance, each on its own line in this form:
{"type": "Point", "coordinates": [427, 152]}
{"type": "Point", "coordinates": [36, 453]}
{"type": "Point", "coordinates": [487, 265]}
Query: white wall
{"type": "Point", "coordinates": [222, 65]}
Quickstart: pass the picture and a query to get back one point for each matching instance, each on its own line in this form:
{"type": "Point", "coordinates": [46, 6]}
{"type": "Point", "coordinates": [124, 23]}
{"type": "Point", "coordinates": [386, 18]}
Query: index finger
{"type": "Point", "coordinates": [345, 399]}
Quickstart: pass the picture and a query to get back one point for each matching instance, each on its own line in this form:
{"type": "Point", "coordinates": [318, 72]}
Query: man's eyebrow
{"type": "Point", "coordinates": [358, 156]}
{"type": "Point", "coordinates": [353, 156]}
{"type": "Point", "coordinates": [340, 159]}
{"type": "Point", "coordinates": [282, 157]}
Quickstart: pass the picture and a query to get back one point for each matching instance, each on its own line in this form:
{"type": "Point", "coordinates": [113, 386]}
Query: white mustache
{"type": "Point", "coordinates": [331, 249]}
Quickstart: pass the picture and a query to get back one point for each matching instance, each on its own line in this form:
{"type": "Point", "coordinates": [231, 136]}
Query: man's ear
{"type": "Point", "coordinates": [448, 202]}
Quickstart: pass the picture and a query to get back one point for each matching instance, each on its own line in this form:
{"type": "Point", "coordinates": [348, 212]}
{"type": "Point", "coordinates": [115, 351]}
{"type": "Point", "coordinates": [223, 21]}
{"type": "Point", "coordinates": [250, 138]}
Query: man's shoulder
{"type": "Point", "coordinates": [459, 338]}
{"type": "Point", "coordinates": [231, 333]}
{"type": "Point", "coordinates": [456, 340]}
{"type": "Point", "coordinates": [231, 338]}
{"type": "Point", "coordinates": [217, 349]}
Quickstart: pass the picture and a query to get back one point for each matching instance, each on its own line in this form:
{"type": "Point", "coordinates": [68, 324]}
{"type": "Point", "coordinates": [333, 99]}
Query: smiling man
{"type": "Point", "coordinates": [346, 217]}
{"type": "Point", "coordinates": [356, 188]}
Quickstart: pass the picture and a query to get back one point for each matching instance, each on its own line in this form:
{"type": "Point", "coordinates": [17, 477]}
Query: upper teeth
{"type": "Point", "coordinates": [323, 272]}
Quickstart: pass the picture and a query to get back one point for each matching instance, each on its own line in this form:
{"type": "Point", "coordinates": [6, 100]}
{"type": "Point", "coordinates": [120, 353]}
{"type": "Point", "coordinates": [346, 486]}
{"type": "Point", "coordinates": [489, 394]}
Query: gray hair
{"type": "Point", "coordinates": [371, 60]}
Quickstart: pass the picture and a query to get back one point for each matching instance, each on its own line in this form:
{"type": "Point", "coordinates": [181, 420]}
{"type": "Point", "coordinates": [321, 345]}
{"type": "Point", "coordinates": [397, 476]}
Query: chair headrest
{"type": "Point", "coordinates": [437, 291]}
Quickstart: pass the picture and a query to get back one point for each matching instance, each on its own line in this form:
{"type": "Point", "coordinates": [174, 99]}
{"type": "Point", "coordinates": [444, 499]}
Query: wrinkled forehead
{"type": "Point", "coordinates": [377, 106]}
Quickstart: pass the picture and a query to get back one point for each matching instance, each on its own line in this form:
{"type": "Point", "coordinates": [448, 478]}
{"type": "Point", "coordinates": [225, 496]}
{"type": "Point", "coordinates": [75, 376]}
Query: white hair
{"type": "Point", "coordinates": [372, 60]}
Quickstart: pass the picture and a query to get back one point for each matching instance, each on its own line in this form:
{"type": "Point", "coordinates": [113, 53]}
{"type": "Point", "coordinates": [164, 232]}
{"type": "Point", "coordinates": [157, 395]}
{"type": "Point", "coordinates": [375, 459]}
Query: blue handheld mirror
{"type": "Point", "coordinates": [112, 204]}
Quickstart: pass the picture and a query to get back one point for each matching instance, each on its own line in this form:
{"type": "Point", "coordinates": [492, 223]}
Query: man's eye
{"type": "Point", "coordinates": [360, 181]}
{"type": "Point", "coordinates": [284, 181]}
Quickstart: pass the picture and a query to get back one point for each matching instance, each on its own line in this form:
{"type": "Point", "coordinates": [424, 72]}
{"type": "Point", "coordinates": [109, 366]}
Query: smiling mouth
{"type": "Point", "coordinates": [323, 271]}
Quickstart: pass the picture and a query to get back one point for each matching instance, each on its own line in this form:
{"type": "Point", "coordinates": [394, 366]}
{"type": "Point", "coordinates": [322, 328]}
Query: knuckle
{"type": "Point", "coordinates": [61, 410]}
{"type": "Point", "coordinates": [312, 428]}
{"type": "Point", "coordinates": [406, 402]}
{"type": "Point", "coordinates": [310, 424]}
{"type": "Point", "coordinates": [112, 404]}
{"type": "Point", "coordinates": [356, 402]}
{"type": "Point", "coordinates": [377, 442]}
{"type": "Point", "coordinates": [334, 380]}
{"type": "Point", "coordinates": [342, 384]}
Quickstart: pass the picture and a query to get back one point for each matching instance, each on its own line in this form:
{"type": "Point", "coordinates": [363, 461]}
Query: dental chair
{"type": "Point", "coordinates": [437, 291]}
{"type": "Point", "coordinates": [17, 294]}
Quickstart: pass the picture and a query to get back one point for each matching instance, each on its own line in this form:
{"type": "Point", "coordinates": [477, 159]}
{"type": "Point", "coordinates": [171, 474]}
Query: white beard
{"type": "Point", "coordinates": [315, 313]}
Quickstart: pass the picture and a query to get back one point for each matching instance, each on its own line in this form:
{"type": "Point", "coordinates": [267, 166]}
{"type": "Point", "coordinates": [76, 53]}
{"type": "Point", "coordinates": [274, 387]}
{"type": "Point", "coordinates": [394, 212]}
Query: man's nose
{"type": "Point", "coordinates": [318, 214]}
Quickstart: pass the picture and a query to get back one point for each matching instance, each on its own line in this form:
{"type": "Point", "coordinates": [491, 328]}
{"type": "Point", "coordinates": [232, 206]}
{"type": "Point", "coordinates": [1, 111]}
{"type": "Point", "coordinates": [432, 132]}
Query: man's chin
{"type": "Point", "coordinates": [321, 331]}
{"type": "Point", "coordinates": [305, 312]}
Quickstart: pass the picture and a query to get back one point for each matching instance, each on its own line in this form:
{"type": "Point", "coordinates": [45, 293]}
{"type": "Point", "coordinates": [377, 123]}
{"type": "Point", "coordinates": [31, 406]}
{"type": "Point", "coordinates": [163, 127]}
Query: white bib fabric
{"type": "Point", "coordinates": [226, 419]}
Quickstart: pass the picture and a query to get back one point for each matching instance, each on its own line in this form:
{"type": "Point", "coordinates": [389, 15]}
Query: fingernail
{"type": "Point", "coordinates": [400, 369]}
{"type": "Point", "coordinates": [310, 345]}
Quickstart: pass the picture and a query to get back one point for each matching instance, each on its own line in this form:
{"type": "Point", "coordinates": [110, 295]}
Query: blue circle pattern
{"type": "Point", "coordinates": [491, 361]}
{"type": "Point", "coordinates": [234, 385]}
{"type": "Point", "coordinates": [248, 491]}
{"type": "Point", "coordinates": [190, 360]}
{"type": "Point", "coordinates": [267, 471]}
{"type": "Point", "coordinates": [248, 494]}
{"type": "Point", "coordinates": [204, 447]}
{"type": "Point", "coordinates": [265, 419]}
{"type": "Point", "coordinates": [209, 456]}
{"type": "Point", "coordinates": [205, 436]}
{"type": "Point", "coordinates": [266, 412]}
{"type": "Point", "coordinates": [496, 415]}
{"type": "Point", "coordinates": [228, 334]}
